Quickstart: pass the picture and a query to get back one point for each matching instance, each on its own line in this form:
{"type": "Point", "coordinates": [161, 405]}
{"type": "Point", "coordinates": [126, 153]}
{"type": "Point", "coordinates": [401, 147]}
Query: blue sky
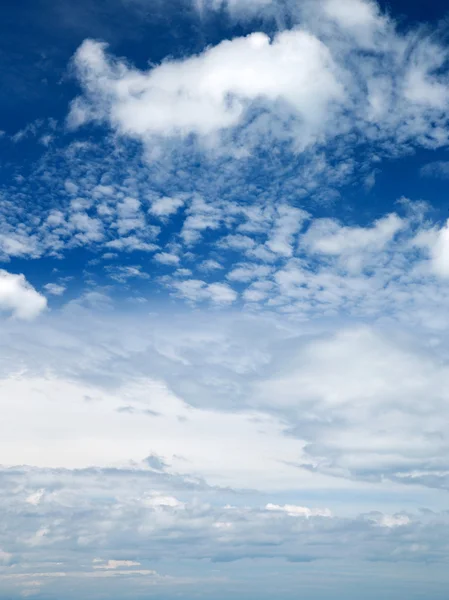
{"type": "Point", "coordinates": [224, 280]}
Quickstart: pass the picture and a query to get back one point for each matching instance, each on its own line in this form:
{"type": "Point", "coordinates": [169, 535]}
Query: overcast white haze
{"type": "Point", "coordinates": [224, 300]}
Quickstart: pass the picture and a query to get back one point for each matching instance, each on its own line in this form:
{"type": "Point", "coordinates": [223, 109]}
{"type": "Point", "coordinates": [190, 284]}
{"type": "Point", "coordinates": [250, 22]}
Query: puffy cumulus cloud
{"type": "Point", "coordinates": [210, 92]}
{"type": "Point", "coordinates": [19, 297]}
{"type": "Point", "coordinates": [435, 240]}
{"type": "Point", "coordinates": [18, 243]}
{"type": "Point", "coordinates": [329, 237]}
{"type": "Point", "coordinates": [360, 20]}
{"type": "Point", "coordinates": [312, 83]}
{"type": "Point", "coordinates": [201, 216]}
{"type": "Point", "coordinates": [166, 206]}
{"type": "Point", "coordinates": [167, 258]}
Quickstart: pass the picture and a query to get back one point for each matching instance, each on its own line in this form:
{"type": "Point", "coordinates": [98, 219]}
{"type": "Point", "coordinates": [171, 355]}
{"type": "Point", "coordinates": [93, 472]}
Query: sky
{"type": "Point", "coordinates": [224, 282]}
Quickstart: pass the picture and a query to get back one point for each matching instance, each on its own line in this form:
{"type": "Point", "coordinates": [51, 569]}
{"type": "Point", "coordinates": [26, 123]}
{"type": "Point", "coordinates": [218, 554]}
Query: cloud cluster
{"type": "Point", "coordinates": [265, 251]}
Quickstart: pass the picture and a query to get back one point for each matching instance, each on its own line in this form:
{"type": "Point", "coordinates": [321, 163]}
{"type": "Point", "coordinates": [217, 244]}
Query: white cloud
{"type": "Point", "coordinates": [159, 501]}
{"type": "Point", "coordinates": [55, 289]}
{"type": "Point", "coordinates": [247, 272]}
{"type": "Point", "coordinates": [166, 206]}
{"type": "Point", "coordinates": [201, 216]}
{"type": "Point", "coordinates": [258, 291]}
{"type": "Point", "coordinates": [130, 216]}
{"type": "Point", "coordinates": [131, 243]}
{"type": "Point", "coordinates": [369, 404]}
{"type": "Point", "coordinates": [439, 169]}
{"type": "Point", "coordinates": [361, 18]}
{"type": "Point", "coordinates": [117, 205]}
{"type": "Point", "coordinates": [288, 222]}
{"type": "Point", "coordinates": [19, 297]}
{"type": "Point", "coordinates": [18, 243]}
{"type": "Point", "coordinates": [332, 430]}
{"type": "Point", "coordinates": [197, 290]}
{"type": "Point", "coordinates": [167, 258]}
{"type": "Point", "coordinates": [391, 521]}
{"type": "Point", "coordinates": [105, 513]}
{"type": "Point", "coordinates": [300, 511]}
{"type": "Point", "coordinates": [237, 242]}
{"type": "Point", "coordinates": [221, 293]}
{"type": "Point", "coordinates": [237, 8]}
{"type": "Point", "coordinates": [210, 265]}
{"type": "Point", "coordinates": [86, 228]}
{"type": "Point", "coordinates": [114, 564]}
{"type": "Point", "coordinates": [329, 237]}
{"type": "Point", "coordinates": [210, 92]}
{"type": "Point", "coordinates": [123, 273]}
{"type": "Point", "coordinates": [35, 497]}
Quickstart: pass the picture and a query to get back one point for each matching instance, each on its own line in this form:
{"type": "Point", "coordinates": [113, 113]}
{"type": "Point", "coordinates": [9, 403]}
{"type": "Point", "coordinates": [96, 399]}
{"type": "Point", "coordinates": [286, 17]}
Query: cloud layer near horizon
{"type": "Point", "coordinates": [357, 403]}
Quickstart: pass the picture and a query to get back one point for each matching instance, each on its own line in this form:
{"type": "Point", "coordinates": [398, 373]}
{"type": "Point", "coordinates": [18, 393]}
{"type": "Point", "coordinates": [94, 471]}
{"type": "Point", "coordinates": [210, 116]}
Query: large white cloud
{"type": "Point", "coordinates": [312, 81]}
{"type": "Point", "coordinates": [210, 92]}
{"type": "Point", "coordinates": [19, 297]}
